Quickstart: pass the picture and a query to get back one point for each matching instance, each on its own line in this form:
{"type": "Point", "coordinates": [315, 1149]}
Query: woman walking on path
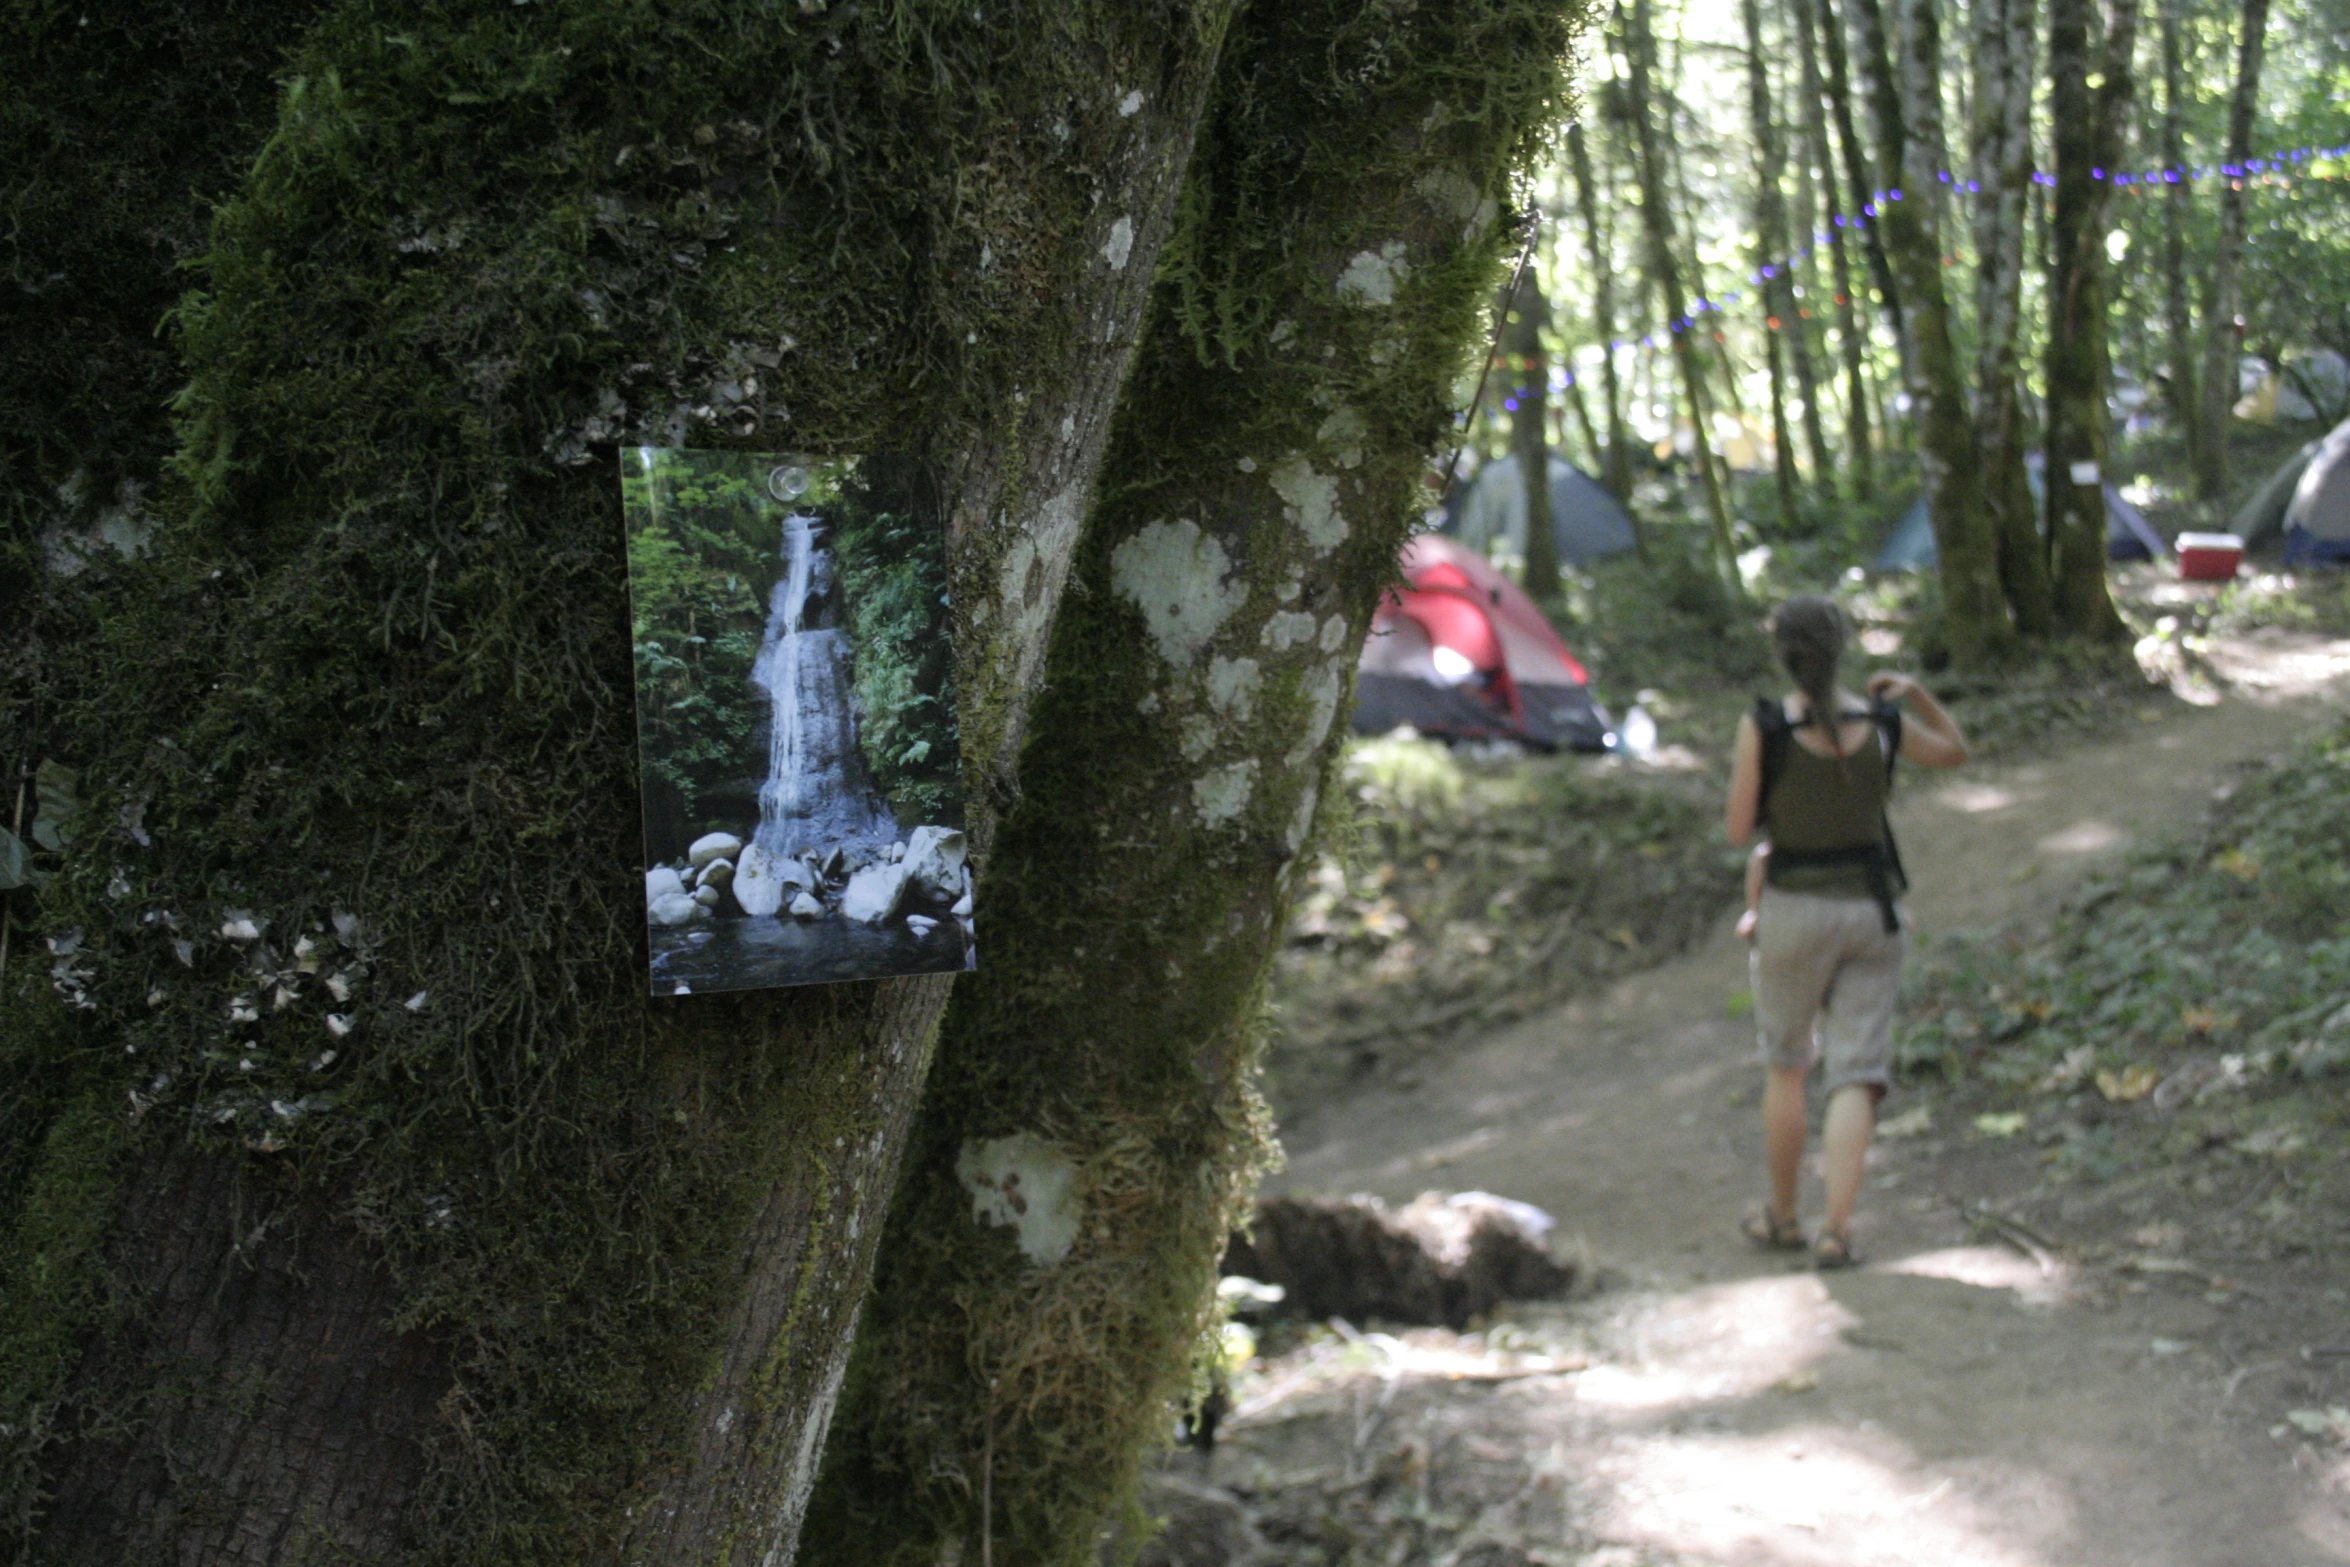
{"type": "Point", "coordinates": [1812, 773]}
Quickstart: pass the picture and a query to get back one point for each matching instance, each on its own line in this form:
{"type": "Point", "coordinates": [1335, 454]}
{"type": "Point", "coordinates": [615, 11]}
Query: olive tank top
{"type": "Point", "coordinates": [1827, 802]}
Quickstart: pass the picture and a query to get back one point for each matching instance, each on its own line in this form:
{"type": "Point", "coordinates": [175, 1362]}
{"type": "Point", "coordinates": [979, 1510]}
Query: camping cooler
{"type": "Point", "coordinates": [2209, 557]}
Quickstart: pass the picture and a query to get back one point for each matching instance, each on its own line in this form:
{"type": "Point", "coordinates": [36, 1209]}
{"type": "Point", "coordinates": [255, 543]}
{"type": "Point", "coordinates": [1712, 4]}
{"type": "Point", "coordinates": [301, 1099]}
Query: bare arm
{"type": "Point", "coordinates": [1745, 803]}
{"type": "Point", "coordinates": [1933, 739]}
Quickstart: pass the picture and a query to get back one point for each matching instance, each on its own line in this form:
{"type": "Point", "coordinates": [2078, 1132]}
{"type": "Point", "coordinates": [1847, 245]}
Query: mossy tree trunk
{"type": "Point", "coordinates": [1342, 236]}
{"type": "Point", "coordinates": [1974, 608]}
{"type": "Point", "coordinates": [359, 1202]}
{"type": "Point", "coordinates": [2088, 129]}
{"type": "Point", "coordinates": [1860, 191]}
{"type": "Point", "coordinates": [2004, 57]}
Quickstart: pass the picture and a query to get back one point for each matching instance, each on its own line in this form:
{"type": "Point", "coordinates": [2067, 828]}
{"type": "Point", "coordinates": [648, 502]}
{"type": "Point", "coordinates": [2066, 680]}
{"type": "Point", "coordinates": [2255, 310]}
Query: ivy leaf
{"type": "Point", "coordinates": [53, 788]}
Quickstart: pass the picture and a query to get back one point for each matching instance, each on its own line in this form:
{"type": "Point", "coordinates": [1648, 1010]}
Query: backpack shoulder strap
{"type": "Point", "coordinates": [1770, 718]}
{"type": "Point", "coordinates": [1887, 717]}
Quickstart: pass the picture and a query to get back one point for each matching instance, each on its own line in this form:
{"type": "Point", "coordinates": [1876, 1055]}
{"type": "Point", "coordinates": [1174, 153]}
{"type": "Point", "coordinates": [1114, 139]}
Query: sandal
{"type": "Point", "coordinates": [1772, 1233]}
{"type": "Point", "coordinates": [1832, 1251]}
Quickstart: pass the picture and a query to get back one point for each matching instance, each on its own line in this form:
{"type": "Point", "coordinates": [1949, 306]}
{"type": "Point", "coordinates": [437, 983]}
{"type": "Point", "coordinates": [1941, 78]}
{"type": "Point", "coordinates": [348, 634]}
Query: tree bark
{"type": "Point", "coordinates": [1664, 270]}
{"type": "Point", "coordinates": [1974, 610]}
{"type": "Point", "coordinates": [1775, 276]}
{"type": "Point", "coordinates": [2223, 294]}
{"type": "Point", "coordinates": [1308, 328]}
{"type": "Point", "coordinates": [1860, 188]}
{"type": "Point", "coordinates": [527, 1266]}
{"type": "Point", "coordinates": [1528, 380]}
{"type": "Point", "coordinates": [1848, 317]}
{"type": "Point", "coordinates": [2178, 200]}
{"type": "Point", "coordinates": [2088, 125]}
{"type": "Point", "coordinates": [1616, 459]}
{"type": "Point", "coordinates": [2004, 48]}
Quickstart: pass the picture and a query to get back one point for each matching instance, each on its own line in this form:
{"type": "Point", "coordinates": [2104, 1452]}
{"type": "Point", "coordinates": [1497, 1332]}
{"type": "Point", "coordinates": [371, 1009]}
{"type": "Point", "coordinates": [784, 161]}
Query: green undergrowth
{"type": "Point", "coordinates": [1470, 891]}
{"type": "Point", "coordinates": [2205, 979]}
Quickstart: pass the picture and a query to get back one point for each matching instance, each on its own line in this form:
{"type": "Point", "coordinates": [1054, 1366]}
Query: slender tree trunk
{"type": "Point", "coordinates": [431, 1236]}
{"type": "Point", "coordinates": [2005, 59]}
{"type": "Point", "coordinates": [1681, 128]}
{"type": "Point", "coordinates": [1804, 328]}
{"type": "Point", "coordinates": [2223, 295]}
{"type": "Point", "coordinates": [1771, 266]}
{"type": "Point", "coordinates": [1860, 187]}
{"type": "Point", "coordinates": [1972, 602]}
{"type": "Point", "coordinates": [2177, 314]}
{"type": "Point", "coordinates": [1615, 470]}
{"type": "Point", "coordinates": [2088, 125]}
{"type": "Point", "coordinates": [1664, 270]}
{"type": "Point", "coordinates": [1580, 406]}
{"type": "Point", "coordinates": [1848, 317]}
{"type": "Point", "coordinates": [1010, 1381]}
{"type": "Point", "coordinates": [1528, 379]}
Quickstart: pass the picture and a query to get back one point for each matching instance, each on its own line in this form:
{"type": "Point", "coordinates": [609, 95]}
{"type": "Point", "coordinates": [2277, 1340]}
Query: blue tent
{"type": "Point", "coordinates": [1586, 521]}
{"type": "Point", "coordinates": [2128, 535]}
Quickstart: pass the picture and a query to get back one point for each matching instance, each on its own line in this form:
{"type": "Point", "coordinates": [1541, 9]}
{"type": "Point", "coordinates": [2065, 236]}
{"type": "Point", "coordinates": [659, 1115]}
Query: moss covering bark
{"type": "Point", "coordinates": [1093, 1124]}
{"type": "Point", "coordinates": [346, 944]}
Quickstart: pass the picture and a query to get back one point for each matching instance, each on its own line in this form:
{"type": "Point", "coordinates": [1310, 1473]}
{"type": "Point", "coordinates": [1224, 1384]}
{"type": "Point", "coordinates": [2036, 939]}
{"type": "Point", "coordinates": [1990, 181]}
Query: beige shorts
{"type": "Point", "coordinates": [1826, 976]}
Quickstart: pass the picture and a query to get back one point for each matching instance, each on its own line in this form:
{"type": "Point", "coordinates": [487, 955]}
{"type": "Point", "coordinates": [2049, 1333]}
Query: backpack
{"type": "Point", "coordinates": [1882, 859]}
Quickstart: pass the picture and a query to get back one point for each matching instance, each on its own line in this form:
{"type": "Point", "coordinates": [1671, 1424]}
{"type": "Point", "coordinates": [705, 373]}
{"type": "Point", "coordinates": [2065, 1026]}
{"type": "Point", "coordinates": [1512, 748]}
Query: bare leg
{"type": "Point", "coordinates": [1844, 1147]}
{"type": "Point", "coordinates": [1783, 1133]}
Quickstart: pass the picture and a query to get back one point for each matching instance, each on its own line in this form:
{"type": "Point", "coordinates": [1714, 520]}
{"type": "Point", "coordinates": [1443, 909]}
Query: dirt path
{"type": "Point", "coordinates": [1952, 1402]}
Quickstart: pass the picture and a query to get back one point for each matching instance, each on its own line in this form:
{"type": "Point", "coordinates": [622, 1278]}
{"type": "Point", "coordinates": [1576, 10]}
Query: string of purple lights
{"type": "Point", "coordinates": [2262, 168]}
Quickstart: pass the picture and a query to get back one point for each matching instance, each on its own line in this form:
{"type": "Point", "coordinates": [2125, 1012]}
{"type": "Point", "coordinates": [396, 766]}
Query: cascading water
{"type": "Point", "coordinates": [817, 794]}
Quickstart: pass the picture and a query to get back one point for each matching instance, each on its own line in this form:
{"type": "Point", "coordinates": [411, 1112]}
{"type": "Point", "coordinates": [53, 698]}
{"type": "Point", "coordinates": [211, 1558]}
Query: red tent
{"type": "Point", "coordinates": [1460, 651]}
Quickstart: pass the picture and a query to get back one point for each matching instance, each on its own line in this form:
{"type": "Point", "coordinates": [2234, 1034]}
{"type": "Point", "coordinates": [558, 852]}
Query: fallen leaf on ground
{"type": "Point", "coordinates": [1913, 1122]}
{"type": "Point", "coordinates": [2070, 1070]}
{"type": "Point", "coordinates": [1798, 1382]}
{"type": "Point", "coordinates": [2129, 1085]}
{"type": "Point", "coordinates": [2334, 1422]}
{"type": "Point", "coordinates": [2001, 1125]}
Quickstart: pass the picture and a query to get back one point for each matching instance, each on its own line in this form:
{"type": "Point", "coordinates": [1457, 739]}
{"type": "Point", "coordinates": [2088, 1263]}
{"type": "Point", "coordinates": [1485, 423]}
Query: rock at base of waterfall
{"type": "Point", "coordinates": [962, 908]}
{"type": "Point", "coordinates": [805, 907]}
{"type": "Point", "coordinates": [707, 896]}
{"type": "Point", "coordinates": [660, 881]}
{"type": "Point", "coordinates": [675, 908]}
{"type": "Point", "coordinates": [921, 924]}
{"type": "Point", "coordinates": [874, 893]}
{"type": "Point", "coordinates": [715, 874]}
{"type": "Point", "coordinates": [897, 852]}
{"type": "Point", "coordinates": [758, 885]}
{"type": "Point", "coordinates": [713, 846]}
{"type": "Point", "coordinates": [798, 873]}
{"type": "Point", "coordinates": [934, 858]}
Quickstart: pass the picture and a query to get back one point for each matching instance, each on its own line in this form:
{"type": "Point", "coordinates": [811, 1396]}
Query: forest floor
{"type": "Point", "coordinates": [2044, 1363]}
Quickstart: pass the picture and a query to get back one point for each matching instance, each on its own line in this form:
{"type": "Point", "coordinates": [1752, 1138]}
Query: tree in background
{"type": "Point", "coordinates": [1527, 375]}
{"type": "Point", "coordinates": [2223, 294]}
{"type": "Point", "coordinates": [1777, 287]}
{"type": "Point", "coordinates": [2087, 125]}
{"type": "Point", "coordinates": [2005, 56]}
{"type": "Point", "coordinates": [1975, 611]}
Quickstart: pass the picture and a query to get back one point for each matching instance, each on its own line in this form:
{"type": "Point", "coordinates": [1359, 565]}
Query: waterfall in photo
{"type": "Point", "coordinates": [817, 792]}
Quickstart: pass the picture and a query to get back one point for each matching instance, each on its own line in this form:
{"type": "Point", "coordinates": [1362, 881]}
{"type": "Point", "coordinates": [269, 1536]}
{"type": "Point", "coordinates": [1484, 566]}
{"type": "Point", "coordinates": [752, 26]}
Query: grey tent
{"type": "Point", "coordinates": [2261, 520]}
{"type": "Point", "coordinates": [2317, 523]}
{"type": "Point", "coordinates": [2128, 535]}
{"type": "Point", "coordinates": [1586, 521]}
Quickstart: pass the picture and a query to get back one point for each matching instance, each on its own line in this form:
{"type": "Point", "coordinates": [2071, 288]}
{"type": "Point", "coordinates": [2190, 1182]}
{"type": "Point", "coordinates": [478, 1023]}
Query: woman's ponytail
{"type": "Point", "coordinates": [1807, 633]}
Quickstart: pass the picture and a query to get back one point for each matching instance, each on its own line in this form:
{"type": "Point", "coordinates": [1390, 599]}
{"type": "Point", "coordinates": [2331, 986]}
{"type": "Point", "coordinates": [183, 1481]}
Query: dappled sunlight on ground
{"type": "Point", "coordinates": [1992, 1267]}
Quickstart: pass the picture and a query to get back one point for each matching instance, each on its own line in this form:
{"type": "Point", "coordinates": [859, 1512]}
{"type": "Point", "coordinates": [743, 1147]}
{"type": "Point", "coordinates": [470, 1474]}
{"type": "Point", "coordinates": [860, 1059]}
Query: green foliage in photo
{"type": "Point", "coordinates": [890, 549]}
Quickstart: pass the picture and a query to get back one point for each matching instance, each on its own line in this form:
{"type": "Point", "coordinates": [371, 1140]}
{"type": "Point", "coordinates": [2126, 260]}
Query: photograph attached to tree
{"type": "Point", "coordinates": [796, 724]}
